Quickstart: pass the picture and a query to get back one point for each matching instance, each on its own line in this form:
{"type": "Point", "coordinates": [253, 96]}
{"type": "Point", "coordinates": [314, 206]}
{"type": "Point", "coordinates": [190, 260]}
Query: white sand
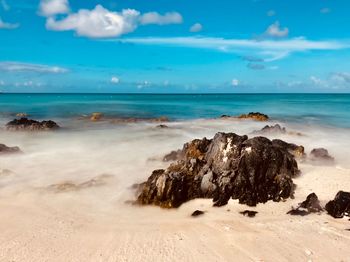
{"type": "Point", "coordinates": [95, 224]}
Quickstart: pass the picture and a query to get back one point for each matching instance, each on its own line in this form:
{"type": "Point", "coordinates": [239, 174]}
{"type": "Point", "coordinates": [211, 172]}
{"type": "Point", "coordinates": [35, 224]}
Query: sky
{"type": "Point", "coordinates": [175, 46]}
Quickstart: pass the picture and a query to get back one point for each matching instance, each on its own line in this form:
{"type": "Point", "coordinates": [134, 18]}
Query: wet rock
{"type": "Point", "coordinates": [21, 115]}
{"type": "Point", "coordinates": [340, 206]}
{"type": "Point", "coordinates": [96, 116]}
{"type": "Point", "coordinates": [9, 150]}
{"type": "Point", "coordinates": [173, 156]}
{"type": "Point", "coordinates": [310, 205]}
{"type": "Point", "coordinates": [228, 166]}
{"type": "Point", "coordinates": [295, 150]}
{"type": "Point", "coordinates": [321, 155]}
{"type": "Point", "coordinates": [276, 129]}
{"type": "Point", "coordinates": [162, 126]}
{"type": "Point", "coordinates": [248, 213]}
{"type": "Point", "coordinates": [25, 124]}
{"type": "Point", "coordinates": [197, 213]}
{"type": "Point", "coordinates": [253, 116]}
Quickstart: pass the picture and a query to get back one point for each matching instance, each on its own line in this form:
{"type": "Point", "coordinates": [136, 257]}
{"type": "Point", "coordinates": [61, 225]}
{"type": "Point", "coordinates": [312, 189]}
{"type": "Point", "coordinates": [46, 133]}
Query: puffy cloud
{"type": "Point", "coordinates": [275, 30]}
{"type": "Point", "coordinates": [102, 23]}
{"type": "Point", "coordinates": [4, 25]}
{"type": "Point", "coordinates": [197, 27]}
{"type": "Point", "coordinates": [271, 13]}
{"type": "Point", "coordinates": [235, 82]}
{"type": "Point", "coordinates": [53, 7]}
{"type": "Point", "coordinates": [26, 67]}
{"type": "Point", "coordinates": [155, 18]}
{"type": "Point", "coordinates": [115, 80]}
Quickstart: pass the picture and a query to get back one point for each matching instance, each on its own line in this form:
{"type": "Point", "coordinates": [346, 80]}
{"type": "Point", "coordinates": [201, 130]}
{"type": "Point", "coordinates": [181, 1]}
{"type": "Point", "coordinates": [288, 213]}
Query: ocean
{"type": "Point", "coordinates": [308, 109]}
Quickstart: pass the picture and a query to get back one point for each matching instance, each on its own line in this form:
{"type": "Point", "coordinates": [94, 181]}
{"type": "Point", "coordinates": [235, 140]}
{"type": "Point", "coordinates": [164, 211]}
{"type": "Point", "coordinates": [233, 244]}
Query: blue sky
{"type": "Point", "coordinates": [171, 46]}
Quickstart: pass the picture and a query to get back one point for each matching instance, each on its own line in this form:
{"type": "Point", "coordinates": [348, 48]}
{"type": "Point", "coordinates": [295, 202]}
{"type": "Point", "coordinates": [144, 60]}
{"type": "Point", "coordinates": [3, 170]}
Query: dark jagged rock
{"type": "Point", "coordinates": [197, 213]}
{"type": "Point", "coordinates": [254, 116]}
{"type": "Point", "coordinates": [30, 125]}
{"type": "Point", "coordinates": [321, 155]}
{"type": "Point", "coordinates": [248, 213]}
{"type": "Point", "coordinates": [228, 166]}
{"type": "Point", "coordinates": [295, 150]}
{"type": "Point", "coordinates": [162, 126]}
{"type": "Point", "coordinates": [310, 205]}
{"type": "Point", "coordinates": [9, 150]}
{"type": "Point", "coordinates": [276, 129]}
{"type": "Point", "coordinates": [173, 156]}
{"type": "Point", "coordinates": [340, 206]}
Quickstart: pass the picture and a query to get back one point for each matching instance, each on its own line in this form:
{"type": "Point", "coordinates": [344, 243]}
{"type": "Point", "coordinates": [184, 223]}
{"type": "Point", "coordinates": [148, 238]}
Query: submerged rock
{"type": "Point", "coordinates": [197, 213]}
{"type": "Point", "coordinates": [26, 124]}
{"type": "Point", "coordinates": [276, 129]}
{"type": "Point", "coordinates": [321, 155]}
{"type": "Point", "coordinates": [228, 166]}
{"type": "Point", "coordinates": [310, 205]}
{"type": "Point", "coordinates": [248, 213]}
{"type": "Point", "coordinates": [254, 116]}
{"type": "Point", "coordinates": [9, 150]}
{"type": "Point", "coordinates": [340, 206]}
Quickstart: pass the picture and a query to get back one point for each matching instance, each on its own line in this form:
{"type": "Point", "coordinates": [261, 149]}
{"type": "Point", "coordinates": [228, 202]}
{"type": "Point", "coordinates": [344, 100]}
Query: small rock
{"type": "Point", "coordinates": [276, 129]}
{"type": "Point", "coordinates": [21, 115]}
{"type": "Point", "coordinates": [197, 213]}
{"type": "Point", "coordinates": [321, 155]}
{"type": "Point", "coordinates": [340, 206]}
{"type": "Point", "coordinates": [9, 150]}
{"type": "Point", "coordinates": [25, 124]}
{"type": "Point", "coordinates": [96, 116]}
{"type": "Point", "coordinates": [255, 116]}
{"type": "Point", "coordinates": [310, 205]}
{"type": "Point", "coordinates": [248, 213]}
{"type": "Point", "coordinates": [162, 126]}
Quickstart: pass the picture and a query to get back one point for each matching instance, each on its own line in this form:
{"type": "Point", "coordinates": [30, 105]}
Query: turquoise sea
{"type": "Point", "coordinates": [323, 109]}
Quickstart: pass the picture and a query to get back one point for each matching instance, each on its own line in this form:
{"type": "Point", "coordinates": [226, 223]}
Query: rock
{"type": "Point", "coordinates": [162, 126]}
{"type": "Point", "coordinates": [173, 156]}
{"type": "Point", "coordinates": [248, 213]}
{"type": "Point", "coordinates": [96, 116]}
{"type": "Point", "coordinates": [197, 213]}
{"type": "Point", "coordinates": [321, 155]}
{"type": "Point", "coordinates": [25, 124]}
{"type": "Point", "coordinates": [21, 115]}
{"type": "Point", "coordinates": [295, 150]}
{"type": "Point", "coordinates": [310, 205]}
{"type": "Point", "coordinates": [228, 166]}
{"type": "Point", "coordinates": [9, 150]}
{"type": "Point", "coordinates": [254, 116]}
{"type": "Point", "coordinates": [340, 206]}
{"type": "Point", "coordinates": [276, 129]}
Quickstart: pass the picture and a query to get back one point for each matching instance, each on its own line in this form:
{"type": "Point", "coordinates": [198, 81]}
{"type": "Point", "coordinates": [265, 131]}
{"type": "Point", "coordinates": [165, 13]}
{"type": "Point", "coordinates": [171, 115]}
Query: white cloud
{"type": "Point", "coordinates": [26, 67]}
{"type": "Point", "coordinates": [155, 18]}
{"type": "Point", "coordinates": [268, 49]}
{"type": "Point", "coordinates": [4, 25]}
{"type": "Point", "coordinates": [101, 22]}
{"type": "Point", "coordinates": [197, 27]}
{"type": "Point", "coordinates": [274, 30]}
{"type": "Point", "coordinates": [115, 80]}
{"type": "Point", "coordinates": [235, 82]}
{"type": "Point", "coordinates": [325, 10]}
{"type": "Point", "coordinates": [271, 13]}
{"type": "Point", "coordinates": [5, 5]}
{"type": "Point", "coordinates": [53, 7]}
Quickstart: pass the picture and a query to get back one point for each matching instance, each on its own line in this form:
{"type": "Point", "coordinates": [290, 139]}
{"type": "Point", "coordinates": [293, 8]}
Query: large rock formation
{"type": "Point", "coordinates": [30, 125]}
{"type": "Point", "coordinates": [340, 206]}
{"type": "Point", "coordinates": [228, 166]}
{"type": "Point", "coordinates": [8, 150]}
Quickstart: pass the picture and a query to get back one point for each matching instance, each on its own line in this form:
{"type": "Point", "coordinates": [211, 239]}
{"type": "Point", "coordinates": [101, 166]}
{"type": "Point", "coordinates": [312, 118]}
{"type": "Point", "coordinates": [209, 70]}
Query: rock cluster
{"type": "Point", "coordinates": [228, 166]}
{"type": "Point", "coordinates": [26, 124]}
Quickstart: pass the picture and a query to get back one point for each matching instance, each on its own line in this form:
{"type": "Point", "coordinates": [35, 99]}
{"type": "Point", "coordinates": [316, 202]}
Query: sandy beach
{"type": "Point", "coordinates": [42, 222]}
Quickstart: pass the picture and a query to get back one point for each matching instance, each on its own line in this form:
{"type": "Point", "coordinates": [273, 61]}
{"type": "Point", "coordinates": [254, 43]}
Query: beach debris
{"type": "Point", "coordinates": [9, 150]}
{"type": "Point", "coordinates": [228, 166]}
{"type": "Point", "coordinates": [96, 116]}
{"type": "Point", "coordinates": [173, 156]}
{"type": "Point", "coordinates": [67, 186]}
{"type": "Point", "coordinates": [249, 213]}
{"type": "Point", "coordinates": [321, 155]}
{"type": "Point", "coordinates": [310, 205]}
{"type": "Point", "coordinates": [197, 213]}
{"type": "Point", "coordinates": [25, 124]}
{"type": "Point", "coordinates": [252, 115]}
{"type": "Point", "coordinates": [340, 206]}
